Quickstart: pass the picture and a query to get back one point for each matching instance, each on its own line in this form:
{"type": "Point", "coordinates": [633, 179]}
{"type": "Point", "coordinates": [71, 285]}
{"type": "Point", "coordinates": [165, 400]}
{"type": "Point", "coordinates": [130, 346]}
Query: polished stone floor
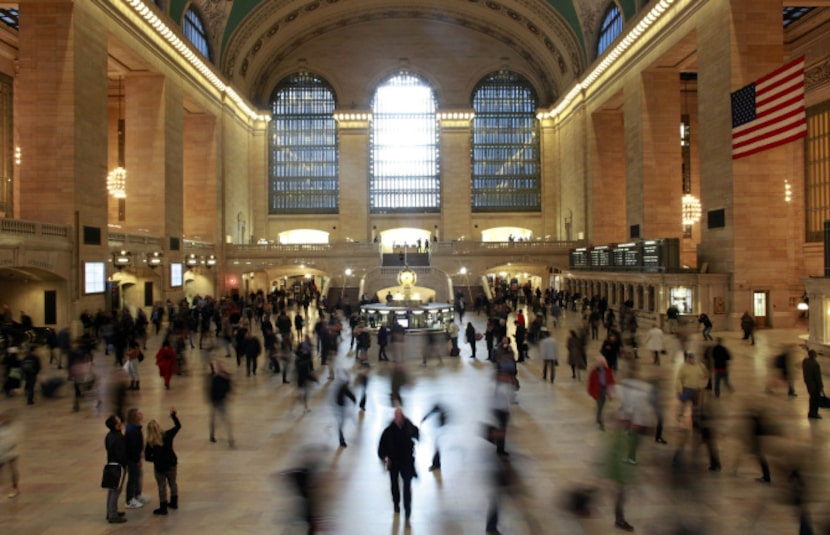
{"type": "Point", "coordinates": [554, 446]}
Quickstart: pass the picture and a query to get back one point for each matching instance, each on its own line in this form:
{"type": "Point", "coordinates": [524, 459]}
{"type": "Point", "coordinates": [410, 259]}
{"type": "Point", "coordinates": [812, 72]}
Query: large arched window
{"type": "Point", "coordinates": [505, 145]}
{"type": "Point", "coordinates": [303, 156]}
{"type": "Point", "coordinates": [194, 30]}
{"type": "Point", "coordinates": [404, 147]}
{"type": "Point", "coordinates": [612, 25]}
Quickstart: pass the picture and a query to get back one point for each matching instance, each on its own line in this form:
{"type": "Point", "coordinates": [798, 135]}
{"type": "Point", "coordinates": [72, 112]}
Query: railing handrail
{"type": "Point", "coordinates": [21, 227]}
{"type": "Point", "coordinates": [126, 238]}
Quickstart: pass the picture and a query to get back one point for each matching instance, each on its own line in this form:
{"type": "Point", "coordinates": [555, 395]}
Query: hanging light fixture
{"type": "Point", "coordinates": [691, 209]}
{"type": "Point", "coordinates": [117, 178]}
{"type": "Point", "coordinates": [117, 183]}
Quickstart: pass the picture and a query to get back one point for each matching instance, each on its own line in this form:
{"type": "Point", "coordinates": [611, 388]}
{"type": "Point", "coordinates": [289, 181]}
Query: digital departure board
{"type": "Point", "coordinates": [661, 255]}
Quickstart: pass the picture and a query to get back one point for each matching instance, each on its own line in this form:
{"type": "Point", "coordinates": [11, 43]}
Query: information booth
{"type": "Point", "coordinates": [414, 317]}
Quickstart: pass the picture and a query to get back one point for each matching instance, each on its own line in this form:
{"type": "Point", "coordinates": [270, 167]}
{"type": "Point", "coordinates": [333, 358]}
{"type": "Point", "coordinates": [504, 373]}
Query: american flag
{"type": "Point", "coordinates": [769, 112]}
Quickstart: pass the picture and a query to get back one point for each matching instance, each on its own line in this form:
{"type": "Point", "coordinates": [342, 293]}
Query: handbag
{"type": "Point", "coordinates": [111, 477]}
{"type": "Point", "coordinates": [824, 402]}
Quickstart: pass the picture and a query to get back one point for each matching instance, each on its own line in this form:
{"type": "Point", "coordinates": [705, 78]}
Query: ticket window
{"type": "Point", "coordinates": [681, 297]}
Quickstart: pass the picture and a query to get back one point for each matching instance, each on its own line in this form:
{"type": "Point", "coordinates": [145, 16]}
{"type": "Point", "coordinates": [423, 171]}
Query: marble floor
{"type": "Point", "coordinates": [554, 445]}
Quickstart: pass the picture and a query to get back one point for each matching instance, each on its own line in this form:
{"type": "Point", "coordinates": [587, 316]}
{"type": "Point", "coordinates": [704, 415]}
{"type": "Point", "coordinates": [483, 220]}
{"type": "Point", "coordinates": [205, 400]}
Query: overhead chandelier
{"type": "Point", "coordinates": [117, 183]}
{"type": "Point", "coordinates": [117, 178]}
{"type": "Point", "coordinates": [691, 209]}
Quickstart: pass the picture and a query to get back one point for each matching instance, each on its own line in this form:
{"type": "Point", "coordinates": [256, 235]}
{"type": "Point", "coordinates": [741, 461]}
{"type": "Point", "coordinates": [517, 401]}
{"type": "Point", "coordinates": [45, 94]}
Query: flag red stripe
{"type": "Point", "coordinates": [779, 70]}
{"type": "Point", "coordinates": [771, 145]}
{"type": "Point", "coordinates": [762, 100]}
{"type": "Point", "coordinates": [797, 100]}
{"type": "Point", "coordinates": [783, 128]}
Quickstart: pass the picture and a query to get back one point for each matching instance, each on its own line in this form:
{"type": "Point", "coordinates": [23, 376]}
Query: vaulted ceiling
{"type": "Point", "coordinates": [257, 42]}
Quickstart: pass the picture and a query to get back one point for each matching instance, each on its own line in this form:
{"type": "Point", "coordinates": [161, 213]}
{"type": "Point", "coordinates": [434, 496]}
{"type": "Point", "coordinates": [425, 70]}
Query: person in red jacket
{"type": "Point", "coordinates": [600, 381]}
{"type": "Point", "coordinates": [165, 360]}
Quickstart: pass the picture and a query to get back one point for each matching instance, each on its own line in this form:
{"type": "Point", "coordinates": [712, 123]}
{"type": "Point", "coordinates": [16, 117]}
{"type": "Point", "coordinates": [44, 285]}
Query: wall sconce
{"type": "Point", "coordinates": [192, 260]}
{"type": "Point", "coordinates": [154, 259]}
{"type": "Point", "coordinates": [211, 261]}
{"type": "Point", "coordinates": [122, 259]}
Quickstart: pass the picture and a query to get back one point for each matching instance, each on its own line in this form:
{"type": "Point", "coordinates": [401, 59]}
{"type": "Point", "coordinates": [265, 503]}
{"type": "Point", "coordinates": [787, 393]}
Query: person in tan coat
{"type": "Point", "coordinates": [691, 381]}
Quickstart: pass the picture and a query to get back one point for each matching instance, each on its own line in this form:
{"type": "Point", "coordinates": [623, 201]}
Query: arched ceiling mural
{"type": "Point", "coordinates": [257, 42]}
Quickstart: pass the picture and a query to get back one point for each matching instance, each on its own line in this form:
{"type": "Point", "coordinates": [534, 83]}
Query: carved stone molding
{"type": "Point", "coordinates": [817, 74]}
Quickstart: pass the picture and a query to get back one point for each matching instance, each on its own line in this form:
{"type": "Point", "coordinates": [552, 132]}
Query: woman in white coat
{"type": "Point", "coordinates": [654, 343]}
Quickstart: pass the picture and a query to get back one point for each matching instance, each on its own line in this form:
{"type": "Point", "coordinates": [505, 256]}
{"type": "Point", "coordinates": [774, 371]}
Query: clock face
{"type": "Point", "coordinates": [406, 278]}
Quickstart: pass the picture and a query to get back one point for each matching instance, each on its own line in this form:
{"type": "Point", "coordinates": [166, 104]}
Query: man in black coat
{"type": "Point", "coordinates": [396, 450]}
{"type": "Point", "coordinates": [812, 379]}
{"type": "Point", "coordinates": [252, 351]}
{"type": "Point", "coordinates": [116, 446]}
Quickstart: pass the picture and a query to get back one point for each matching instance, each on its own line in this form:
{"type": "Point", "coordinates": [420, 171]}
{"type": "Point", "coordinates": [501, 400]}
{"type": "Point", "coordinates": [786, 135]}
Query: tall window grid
{"type": "Point", "coordinates": [194, 31]}
{"type": "Point", "coordinates": [612, 25]}
{"type": "Point", "coordinates": [303, 155]}
{"type": "Point", "coordinates": [792, 14]}
{"type": "Point", "coordinates": [505, 145]}
{"type": "Point", "coordinates": [10, 17]}
{"type": "Point", "coordinates": [404, 163]}
{"type": "Point", "coordinates": [817, 170]}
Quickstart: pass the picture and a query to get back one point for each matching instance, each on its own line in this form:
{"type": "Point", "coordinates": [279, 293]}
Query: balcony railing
{"type": "Point", "coordinates": [354, 248]}
{"type": "Point", "coordinates": [123, 239]}
{"type": "Point", "coordinates": [19, 227]}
